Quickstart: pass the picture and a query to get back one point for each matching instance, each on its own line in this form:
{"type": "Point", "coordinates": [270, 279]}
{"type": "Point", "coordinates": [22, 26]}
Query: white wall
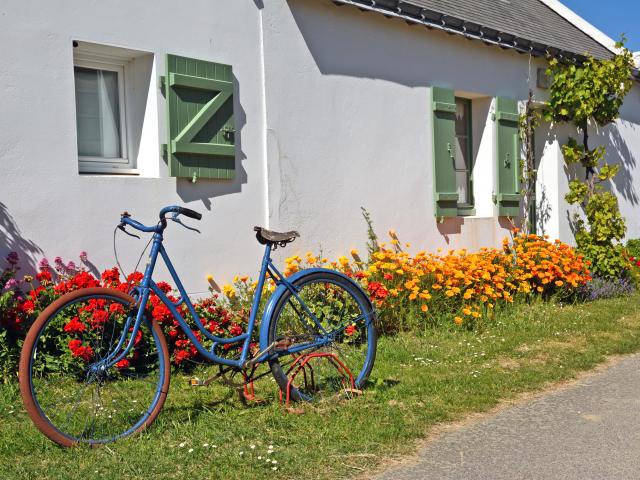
{"type": "Point", "coordinates": [47, 208]}
{"type": "Point", "coordinates": [333, 111]}
{"type": "Point", "coordinates": [349, 118]}
{"type": "Point", "coordinates": [622, 142]}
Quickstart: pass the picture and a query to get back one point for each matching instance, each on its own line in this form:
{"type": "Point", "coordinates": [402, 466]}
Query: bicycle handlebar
{"type": "Point", "coordinates": [125, 218]}
{"type": "Point", "coordinates": [180, 211]}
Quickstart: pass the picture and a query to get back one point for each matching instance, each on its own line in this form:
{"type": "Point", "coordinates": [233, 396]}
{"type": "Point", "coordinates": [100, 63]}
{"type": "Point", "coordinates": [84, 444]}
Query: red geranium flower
{"type": "Point", "coordinates": [350, 330]}
{"type": "Point", "coordinates": [44, 276]}
{"type": "Point", "coordinates": [74, 326]}
{"type": "Point", "coordinates": [124, 363]}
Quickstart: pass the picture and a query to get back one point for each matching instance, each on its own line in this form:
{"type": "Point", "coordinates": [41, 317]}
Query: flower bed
{"type": "Point", "coordinates": [458, 286]}
{"type": "Point", "coordinates": [410, 291]}
{"type": "Point", "coordinates": [22, 300]}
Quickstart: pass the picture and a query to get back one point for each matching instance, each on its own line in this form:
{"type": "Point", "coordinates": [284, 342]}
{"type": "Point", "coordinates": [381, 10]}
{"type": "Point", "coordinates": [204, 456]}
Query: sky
{"type": "Point", "coordinates": [611, 17]}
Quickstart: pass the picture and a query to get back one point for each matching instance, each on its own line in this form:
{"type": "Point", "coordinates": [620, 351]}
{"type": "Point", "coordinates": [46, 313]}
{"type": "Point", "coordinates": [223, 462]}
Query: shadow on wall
{"type": "Point", "coordinates": [206, 189]}
{"type": "Point", "coordinates": [390, 49]}
{"type": "Point", "coordinates": [543, 210]}
{"type": "Point", "coordinates": [619, 153]}
{"type": "Point", "coordinates": [13, 241]}
{"type": "Point", "coordinates": [450, 226]}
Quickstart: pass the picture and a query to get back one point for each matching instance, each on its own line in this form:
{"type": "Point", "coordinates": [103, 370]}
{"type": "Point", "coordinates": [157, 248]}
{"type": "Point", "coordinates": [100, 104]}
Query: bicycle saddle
{"type": "Point", "coordinates": [265, 236]}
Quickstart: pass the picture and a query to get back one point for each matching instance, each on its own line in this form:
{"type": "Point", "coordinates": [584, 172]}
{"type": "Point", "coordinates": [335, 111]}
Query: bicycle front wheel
{"type": "Point", "coordinates": [69, 389]}
{"type": "Point", "coordinates": [326, 309]}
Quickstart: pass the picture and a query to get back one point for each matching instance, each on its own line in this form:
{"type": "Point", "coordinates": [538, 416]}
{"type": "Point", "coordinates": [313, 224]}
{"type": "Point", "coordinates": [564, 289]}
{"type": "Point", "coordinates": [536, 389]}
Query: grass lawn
{"type": "Point", "coordinates": [416, 383]}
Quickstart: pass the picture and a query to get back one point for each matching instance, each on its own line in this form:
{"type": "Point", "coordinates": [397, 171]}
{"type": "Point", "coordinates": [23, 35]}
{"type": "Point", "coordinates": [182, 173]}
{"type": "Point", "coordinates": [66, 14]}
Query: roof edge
{"type": "Point", "coordinates": [413, 14]}
{"type": "Point", "coordinates": [580, 23]}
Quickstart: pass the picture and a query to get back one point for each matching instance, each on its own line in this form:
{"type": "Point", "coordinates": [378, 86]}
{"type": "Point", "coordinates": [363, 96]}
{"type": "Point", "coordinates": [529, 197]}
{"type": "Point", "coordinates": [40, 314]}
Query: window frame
{"type": "Point", "coordinates": [467, 209]}
{"type": "Point", "coordinates": [123, 164]}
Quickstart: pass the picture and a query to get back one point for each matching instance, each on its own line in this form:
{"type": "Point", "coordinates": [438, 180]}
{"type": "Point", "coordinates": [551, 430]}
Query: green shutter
{"type": "Point", "coordinates": [200, 128]}
{"type": "Point", "coordinates": [508, 157]}
{"type": "Point", "coordinates": [444, 130]}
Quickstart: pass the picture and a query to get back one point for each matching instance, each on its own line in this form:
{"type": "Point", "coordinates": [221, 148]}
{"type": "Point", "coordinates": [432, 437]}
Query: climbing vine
{"type": "Point", "coordinates": [528, 123]}
{"type": "Point", "coordinates": [590, 95]}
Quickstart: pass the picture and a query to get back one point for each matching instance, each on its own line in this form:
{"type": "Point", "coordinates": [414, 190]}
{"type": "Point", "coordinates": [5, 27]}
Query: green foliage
{"type": "Point", "coordinates": [594, 90]}
{"type": "Point", "coordinates": [604, 217]}
{"type": "Point", "coordinates": [10, 345]}
{"type": "Point", "coordinates": [574, 152]}
{"type": "Point", "coordinates": [633, 248]}
{"type": "Point", "coordinates": [372, 243]}
{"type": "Point", "coordinates": [592, 93]}
{"type": "Point", "coordinates": [607, 261]}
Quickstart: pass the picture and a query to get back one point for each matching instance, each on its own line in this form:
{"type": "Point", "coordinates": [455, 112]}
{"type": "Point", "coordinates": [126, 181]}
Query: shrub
{"type": "Point", "coordinates": [604, 287]}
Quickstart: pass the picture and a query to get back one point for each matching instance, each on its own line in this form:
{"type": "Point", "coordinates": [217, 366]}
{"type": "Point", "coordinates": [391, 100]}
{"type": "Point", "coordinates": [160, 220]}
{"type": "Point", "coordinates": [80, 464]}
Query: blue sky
{"type": "Point", "coordinates": [612, 17]}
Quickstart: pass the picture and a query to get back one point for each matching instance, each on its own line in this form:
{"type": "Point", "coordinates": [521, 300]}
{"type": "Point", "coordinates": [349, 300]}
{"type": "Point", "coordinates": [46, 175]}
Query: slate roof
{"type": "Point", "coordinates": [526, 25]}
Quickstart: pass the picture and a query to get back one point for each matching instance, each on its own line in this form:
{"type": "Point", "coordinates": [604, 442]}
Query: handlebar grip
{"type": "Point", "coordinates": [189, 213]}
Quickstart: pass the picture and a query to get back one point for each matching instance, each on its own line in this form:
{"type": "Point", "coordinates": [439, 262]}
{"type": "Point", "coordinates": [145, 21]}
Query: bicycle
{"type": "Point", "coordinates": [95, 365]}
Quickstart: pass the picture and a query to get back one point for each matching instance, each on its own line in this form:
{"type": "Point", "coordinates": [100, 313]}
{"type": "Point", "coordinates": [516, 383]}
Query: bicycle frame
{"type": "Point", "coordinates": [147, 285]}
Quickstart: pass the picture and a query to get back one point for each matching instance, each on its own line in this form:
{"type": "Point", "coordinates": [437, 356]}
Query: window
{"type": "Point", "coordinates": [100, 113]}
{"type": "Point", "coordinates": [463, 155]}
{"type": "Point", "coordinates": [114, 103]}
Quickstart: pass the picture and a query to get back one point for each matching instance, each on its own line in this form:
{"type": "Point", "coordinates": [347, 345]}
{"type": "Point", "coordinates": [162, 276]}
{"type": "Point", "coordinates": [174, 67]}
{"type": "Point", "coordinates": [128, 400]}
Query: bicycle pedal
{"type": "Point", "coordinates": [196, 382]}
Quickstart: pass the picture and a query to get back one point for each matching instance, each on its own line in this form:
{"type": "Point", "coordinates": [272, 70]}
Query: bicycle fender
{"type": "Point", "coordinates": [280, 290]}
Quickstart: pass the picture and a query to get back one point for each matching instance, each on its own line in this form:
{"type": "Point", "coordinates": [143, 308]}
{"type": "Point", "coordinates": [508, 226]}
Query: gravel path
{"type": "Point", "coordinates": [589, 430]}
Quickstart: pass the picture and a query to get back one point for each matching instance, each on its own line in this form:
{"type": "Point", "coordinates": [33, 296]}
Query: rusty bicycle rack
{"type": "Point", "coordinates": [302, 364]}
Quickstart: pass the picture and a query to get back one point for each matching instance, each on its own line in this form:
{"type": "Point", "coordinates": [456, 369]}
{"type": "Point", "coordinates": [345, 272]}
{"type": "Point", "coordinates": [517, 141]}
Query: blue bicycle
{"type": "Point", "coordinates": [95, 365]}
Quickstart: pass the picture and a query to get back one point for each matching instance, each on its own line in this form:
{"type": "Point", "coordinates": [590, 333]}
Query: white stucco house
{"type": "Point", "coordinates": [289, 114]}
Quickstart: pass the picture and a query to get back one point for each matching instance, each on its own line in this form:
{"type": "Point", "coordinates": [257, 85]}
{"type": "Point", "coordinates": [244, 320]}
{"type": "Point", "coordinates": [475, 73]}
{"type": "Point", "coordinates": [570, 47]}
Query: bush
{"type": "Point", "coordinates": [604, 287]}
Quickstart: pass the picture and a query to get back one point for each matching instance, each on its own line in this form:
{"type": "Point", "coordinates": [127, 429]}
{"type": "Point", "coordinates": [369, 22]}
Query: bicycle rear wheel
{"type": "Point", "coordinates": [326, 306]}
{"type": "Point", "coordinates": [65, 390]}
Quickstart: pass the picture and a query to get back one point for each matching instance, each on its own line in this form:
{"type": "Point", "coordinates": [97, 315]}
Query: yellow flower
{"type": "Point", "coordinates": [228, 291]}
{"type": "Point", "coordinates": [457, 320]}
{"type": "Point", "coordinates": [424, 308]}
{"type": "Point", "coordinates": [449, 293]}
{"type": "Point", "coordinates": [466, 311]}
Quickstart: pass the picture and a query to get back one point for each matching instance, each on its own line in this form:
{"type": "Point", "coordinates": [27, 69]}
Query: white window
{"type": "Point", "coordinates": [100, 113]}
{"type": "Point", "coordinates": [111, 90]}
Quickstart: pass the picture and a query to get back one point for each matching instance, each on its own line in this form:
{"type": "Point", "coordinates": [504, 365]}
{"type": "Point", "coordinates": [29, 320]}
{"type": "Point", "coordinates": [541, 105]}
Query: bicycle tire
{"type": "Point", "coordinates": [48, 377]}
{"type": "Point", "coordinates": [321, 292]}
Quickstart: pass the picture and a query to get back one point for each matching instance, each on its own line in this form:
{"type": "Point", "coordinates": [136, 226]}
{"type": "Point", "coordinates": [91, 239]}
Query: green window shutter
{"type": "Point", "coordinates": [444, 130]}
{"type": "Point", "coordinates": [200, 128]}
{"type": "Point", "coordinates": [508, 157]}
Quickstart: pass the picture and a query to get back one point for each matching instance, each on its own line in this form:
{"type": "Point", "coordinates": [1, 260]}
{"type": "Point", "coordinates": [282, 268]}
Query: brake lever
{"type": "Point", "coordinates": [121, 227]}
{"type": "Point", "coordinates": [175, 218]}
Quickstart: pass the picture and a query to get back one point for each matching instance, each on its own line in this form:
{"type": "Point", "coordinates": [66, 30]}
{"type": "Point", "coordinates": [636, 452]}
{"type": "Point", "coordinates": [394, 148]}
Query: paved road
{"type": "Point", "coordinates": [590, 430]}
